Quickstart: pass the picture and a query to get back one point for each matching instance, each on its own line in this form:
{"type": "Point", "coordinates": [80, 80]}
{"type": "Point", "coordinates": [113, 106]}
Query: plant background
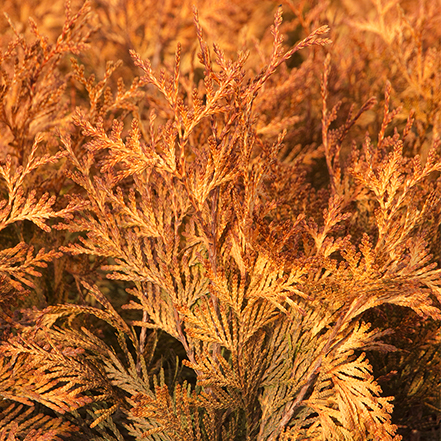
{"type": "Point", "coordinates": [59, 92]}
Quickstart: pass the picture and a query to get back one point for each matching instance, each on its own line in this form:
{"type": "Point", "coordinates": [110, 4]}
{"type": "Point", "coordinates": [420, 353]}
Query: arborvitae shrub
{"type": "Point", "coordinates": [231, 234]}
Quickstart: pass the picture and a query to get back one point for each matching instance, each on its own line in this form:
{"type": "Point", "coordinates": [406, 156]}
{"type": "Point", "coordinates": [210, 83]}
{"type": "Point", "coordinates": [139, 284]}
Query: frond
{"type": "Point", "coordinates": [19, 422]}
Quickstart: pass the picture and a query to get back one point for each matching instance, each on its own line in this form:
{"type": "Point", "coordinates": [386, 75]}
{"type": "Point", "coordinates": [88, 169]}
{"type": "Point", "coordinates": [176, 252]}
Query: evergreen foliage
{"type": "Point", "coordinates": [217, 228]}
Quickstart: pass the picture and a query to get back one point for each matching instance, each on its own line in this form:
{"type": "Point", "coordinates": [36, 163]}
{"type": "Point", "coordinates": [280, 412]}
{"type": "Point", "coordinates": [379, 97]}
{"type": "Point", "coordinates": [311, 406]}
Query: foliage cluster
{"type": "Point", "coordinates": [217, 228]}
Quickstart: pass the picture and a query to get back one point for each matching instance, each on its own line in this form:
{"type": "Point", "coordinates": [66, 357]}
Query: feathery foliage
{"type": "Point", "coordinates": [213, 239]}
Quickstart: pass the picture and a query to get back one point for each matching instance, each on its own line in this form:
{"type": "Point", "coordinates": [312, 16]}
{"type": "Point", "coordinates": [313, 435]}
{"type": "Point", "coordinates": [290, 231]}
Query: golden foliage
{"type": "Point", "coordinates": [203, 248]}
